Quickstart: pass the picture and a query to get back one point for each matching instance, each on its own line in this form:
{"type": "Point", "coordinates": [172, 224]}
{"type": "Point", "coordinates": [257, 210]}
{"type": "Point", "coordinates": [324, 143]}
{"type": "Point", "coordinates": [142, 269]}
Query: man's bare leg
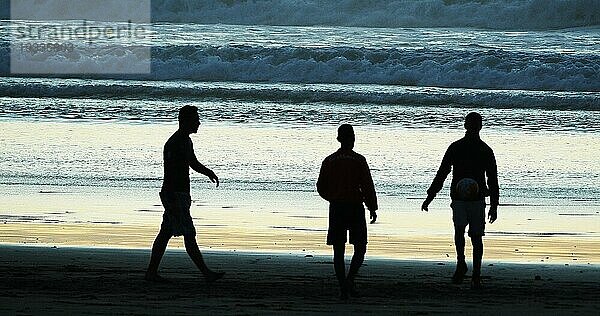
{"type": "Point", "coordinates": [477, 242]}
{"type": "Point", "coordinates": [158, 250]}
{"type": "Point", "coordinates": [357, 260]}
{"type": "Point", "coordinates": [461, 265]}
{"type": "Point", "coordinates": [191, 247]}
{"type": "Point", "coordinates": [339, 265]}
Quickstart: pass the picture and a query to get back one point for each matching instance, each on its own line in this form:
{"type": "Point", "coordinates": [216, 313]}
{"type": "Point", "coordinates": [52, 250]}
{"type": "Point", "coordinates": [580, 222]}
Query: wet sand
{"type": "Point", "coordinates": [525, 248]}
{"type": "Point", "coordinates": [52, 281]}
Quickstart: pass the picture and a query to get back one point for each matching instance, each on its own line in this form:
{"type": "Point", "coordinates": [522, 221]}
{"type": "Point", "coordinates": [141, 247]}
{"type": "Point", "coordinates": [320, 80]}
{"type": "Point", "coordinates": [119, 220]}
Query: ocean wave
{"type": "Point", "coordinates": [285, 93]}
{"type": "Point", "coordinates": [491, 69]}
{"type": "Point", "coordinates": [450, 68]}
{"type": "Point", "coordinates": [485, 14]}
{"type": "Point", "coordinates": [500, 14]}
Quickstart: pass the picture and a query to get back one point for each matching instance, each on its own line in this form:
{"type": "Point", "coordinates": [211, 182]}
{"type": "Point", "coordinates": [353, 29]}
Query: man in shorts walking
{"type": "Point", "coordinates": [345, 181]}
{"type": "Point", "coordinates": [178, 156]}
{"type": "Point", "coordinates": [470, 160]}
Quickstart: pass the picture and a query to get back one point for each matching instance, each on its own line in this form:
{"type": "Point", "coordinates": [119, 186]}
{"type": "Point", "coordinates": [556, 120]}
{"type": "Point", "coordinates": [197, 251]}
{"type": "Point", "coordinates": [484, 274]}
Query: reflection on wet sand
{"type": "Point", "coordinates": [551, 248]}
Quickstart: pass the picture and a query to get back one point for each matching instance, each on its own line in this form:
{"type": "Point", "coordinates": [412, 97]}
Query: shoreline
{"type": "Point", "coordinates": [558, 249]}
{"type": "Point", "coordinates": [295, 254]}
{"type": "Point", "coordinates": [52, 281]}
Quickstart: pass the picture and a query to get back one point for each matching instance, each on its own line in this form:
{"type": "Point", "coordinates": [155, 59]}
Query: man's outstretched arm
{"type": "Point", "coordinates": [438, 181]}
{"type": "Point", "coordinates": [200, 168]}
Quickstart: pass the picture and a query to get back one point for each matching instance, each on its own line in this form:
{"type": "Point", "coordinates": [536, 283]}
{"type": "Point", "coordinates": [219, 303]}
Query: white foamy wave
{"type": "Point", "coordinates": [491, 69]}
{"type": "Point", "coordinates": [501, 14]}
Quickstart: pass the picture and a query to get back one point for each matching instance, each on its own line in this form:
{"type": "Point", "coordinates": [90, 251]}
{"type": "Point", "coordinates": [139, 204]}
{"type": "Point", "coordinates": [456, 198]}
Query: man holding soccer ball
{"type": "Point", "coordinates": [470, 160]}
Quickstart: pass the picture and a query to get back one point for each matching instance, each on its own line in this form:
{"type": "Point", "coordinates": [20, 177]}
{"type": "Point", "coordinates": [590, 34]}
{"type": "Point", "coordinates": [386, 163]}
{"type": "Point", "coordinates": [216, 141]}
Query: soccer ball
{"type": "Point", "coordinates": [467, 189]}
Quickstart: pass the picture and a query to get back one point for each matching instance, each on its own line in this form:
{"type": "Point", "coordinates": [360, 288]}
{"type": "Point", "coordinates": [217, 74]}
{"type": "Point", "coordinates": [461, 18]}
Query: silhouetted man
{"type": "Point", "coordinates": [470, 160]}
{"type": "Point", "coordinates": [178, 157]}
{"type": "Point", "coordinates": [345, 181]}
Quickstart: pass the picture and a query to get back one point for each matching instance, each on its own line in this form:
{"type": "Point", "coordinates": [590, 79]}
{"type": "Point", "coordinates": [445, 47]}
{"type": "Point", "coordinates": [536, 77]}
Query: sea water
{"type": "Point", "coordinates": [272, 81]}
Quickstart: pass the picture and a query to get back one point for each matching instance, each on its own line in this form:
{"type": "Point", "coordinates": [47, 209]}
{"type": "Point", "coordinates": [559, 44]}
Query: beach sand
{"type": "Point", "coordinates": [69, 280]}
{"type": "Point", "coordinates": [550, 248]}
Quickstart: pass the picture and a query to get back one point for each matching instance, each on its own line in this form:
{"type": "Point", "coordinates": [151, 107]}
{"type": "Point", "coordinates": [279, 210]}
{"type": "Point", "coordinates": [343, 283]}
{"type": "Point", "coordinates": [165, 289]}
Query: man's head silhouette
{"type": "Point", "coordinates": [473, 122]}
{"type": "Point", "coordinates": [189, 121]}
{"type": "Point", "coordinates": [346, 136]}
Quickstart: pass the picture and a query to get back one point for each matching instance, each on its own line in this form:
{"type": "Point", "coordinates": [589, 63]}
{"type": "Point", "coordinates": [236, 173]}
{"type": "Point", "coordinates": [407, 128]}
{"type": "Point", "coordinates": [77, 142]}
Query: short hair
{"type": "Point", "coordinates": [186, 113]}
{"type": "Point", "coordinates": [473, 122]}
{"type": "Point", "coordinates": [345, 133]}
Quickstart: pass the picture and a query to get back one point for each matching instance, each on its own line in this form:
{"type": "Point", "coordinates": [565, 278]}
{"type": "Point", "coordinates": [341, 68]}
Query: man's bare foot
{"type": "Point", "coordinates": [476, 282]}
{"type": "Point", "coordinates": [213, 276]}
{"type": "Point", "coordinates": [459, 274]}
{"type": "Point", "coordinates": [344, 295]}
{"type": "Point", "coordinates": [154, 277]}
{"type": "Point", "coordinates": [352, 289]}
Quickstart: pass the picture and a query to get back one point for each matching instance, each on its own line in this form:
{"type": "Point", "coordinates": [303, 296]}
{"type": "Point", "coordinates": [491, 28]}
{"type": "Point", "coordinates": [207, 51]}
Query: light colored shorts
{"type": "Point", "coordinates": [470, 213]}
{"type": "Point", "coordinates": [177, 219]}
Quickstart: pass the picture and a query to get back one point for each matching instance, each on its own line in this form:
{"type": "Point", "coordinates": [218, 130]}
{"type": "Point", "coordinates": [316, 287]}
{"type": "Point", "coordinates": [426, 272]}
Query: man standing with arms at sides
{"type": "Point", "coordinates": [345, 181]}
{"type": "Point", "coordinates": [178, 157]}
{"type": "Point", "coordinates": [470, 160]}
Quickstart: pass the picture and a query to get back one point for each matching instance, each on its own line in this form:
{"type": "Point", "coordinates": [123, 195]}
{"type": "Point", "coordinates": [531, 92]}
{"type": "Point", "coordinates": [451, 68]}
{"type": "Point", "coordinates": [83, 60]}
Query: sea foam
{"type": "Point", "coordinates": [450, 68]}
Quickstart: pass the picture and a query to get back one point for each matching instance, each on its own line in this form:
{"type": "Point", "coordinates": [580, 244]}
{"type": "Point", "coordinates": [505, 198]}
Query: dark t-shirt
{"type": "Point", "coordinates": [468, 157]}
{"type": "Point", "coordinates": [178, 153]}
{"type": "Point", "coordinates": [345, 177]}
